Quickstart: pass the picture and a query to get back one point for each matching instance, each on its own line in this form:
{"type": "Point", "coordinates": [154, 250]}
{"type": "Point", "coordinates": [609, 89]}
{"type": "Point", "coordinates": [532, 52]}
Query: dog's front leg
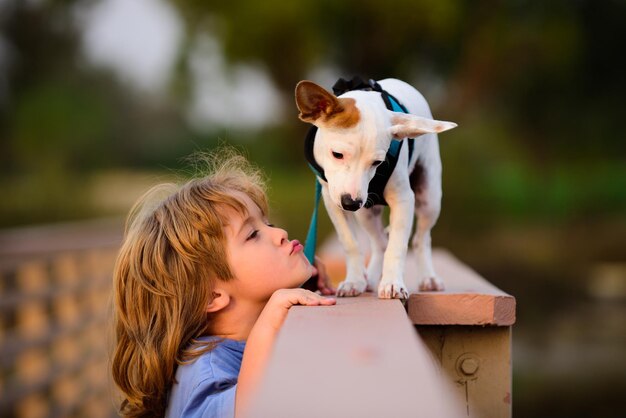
{"type": "Point", "coordinates": [371, 221]}
{"type": "Point", "coordinates": [354, 284]}
{"type": "Point", "coordinates": [401, 211]}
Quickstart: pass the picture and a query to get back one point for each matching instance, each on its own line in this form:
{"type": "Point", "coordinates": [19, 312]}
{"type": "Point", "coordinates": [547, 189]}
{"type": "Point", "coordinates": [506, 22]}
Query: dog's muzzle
{"type": "Point", "coordinates": [349, 204]}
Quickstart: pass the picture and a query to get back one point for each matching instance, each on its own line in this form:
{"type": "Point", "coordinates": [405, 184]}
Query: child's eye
{"type": "Point", "coordinates": [252, 235]}
{"type": "Point", "coordinates": [271, 225]}
{"type": "Point", "coordinates": [338, 155]}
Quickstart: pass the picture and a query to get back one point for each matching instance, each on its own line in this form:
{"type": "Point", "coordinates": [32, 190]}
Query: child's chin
{"type": "Point", "coordinates": [303, 281]}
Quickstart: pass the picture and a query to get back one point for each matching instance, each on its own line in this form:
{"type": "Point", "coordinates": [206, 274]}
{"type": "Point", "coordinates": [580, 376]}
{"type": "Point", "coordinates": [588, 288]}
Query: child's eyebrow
{"type": "Point", "coordinates": [246, 222]}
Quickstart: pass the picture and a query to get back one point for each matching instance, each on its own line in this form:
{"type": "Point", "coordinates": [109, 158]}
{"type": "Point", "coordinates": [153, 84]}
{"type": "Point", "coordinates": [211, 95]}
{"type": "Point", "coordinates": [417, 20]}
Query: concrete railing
{"type": "Point", "coordinates": [444, 354]}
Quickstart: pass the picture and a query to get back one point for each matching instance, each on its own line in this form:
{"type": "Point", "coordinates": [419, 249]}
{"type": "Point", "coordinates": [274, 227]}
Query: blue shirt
{"type": "Point", "coordinates": [206, 387]}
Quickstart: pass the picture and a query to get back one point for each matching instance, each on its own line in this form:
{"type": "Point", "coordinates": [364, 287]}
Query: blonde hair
{"type": "Point", "coordinates": [173, 253]}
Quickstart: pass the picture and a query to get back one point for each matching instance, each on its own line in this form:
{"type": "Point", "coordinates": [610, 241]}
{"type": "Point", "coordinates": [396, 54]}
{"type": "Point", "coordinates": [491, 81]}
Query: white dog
{"type": "Point", "coordinates": [355, 133]}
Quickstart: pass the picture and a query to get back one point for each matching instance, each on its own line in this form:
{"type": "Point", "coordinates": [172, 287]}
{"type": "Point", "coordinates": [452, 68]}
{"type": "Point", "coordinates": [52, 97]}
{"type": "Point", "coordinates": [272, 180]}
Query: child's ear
{"type": "Point", "coordinates": [221, 299]}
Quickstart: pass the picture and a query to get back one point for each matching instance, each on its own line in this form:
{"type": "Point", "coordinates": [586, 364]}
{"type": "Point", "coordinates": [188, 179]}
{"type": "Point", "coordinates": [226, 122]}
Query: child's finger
{"type": "Point", "coordinates": [327, 291]}
{"type": "Point", "coordinates": [312, 299]}
{"type": "Point", "coordinates": [328, 301]}
{"type": "Point", "coordinates": [323, 301]}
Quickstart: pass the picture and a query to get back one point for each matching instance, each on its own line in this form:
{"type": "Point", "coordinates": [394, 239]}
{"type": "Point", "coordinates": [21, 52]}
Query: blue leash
{"type": "Point", "coordinates": [311, 236]}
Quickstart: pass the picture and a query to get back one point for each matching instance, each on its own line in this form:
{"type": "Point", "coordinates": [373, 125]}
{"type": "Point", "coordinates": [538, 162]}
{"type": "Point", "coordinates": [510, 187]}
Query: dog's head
{"type": "Point", "coordinates": [354, 134]}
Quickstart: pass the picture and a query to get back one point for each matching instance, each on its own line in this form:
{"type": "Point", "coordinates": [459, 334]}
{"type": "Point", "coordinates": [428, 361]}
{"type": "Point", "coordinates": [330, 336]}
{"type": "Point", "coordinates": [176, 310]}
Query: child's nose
{"type": "Point", "coordinates": [281, 236]}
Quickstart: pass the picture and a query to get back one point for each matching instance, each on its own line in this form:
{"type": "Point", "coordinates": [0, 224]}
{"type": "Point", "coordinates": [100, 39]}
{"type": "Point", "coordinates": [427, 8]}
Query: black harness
{"type": "Point", "coordinates": [385, 169]}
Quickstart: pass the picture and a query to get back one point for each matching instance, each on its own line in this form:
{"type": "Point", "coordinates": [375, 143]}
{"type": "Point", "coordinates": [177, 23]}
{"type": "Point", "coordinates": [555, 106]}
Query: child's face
{"type": "Point", "coordinates": [261, 256]}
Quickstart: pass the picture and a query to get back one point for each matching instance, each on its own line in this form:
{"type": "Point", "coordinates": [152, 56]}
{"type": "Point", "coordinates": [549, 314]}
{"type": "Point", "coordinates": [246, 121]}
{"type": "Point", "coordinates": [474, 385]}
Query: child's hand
{"type": "Point", "coordinates": [286, 298]}
{"type": "Point", "coordinates": [276, 309]}
{"type": "Point", "coordinates": [323, 281]}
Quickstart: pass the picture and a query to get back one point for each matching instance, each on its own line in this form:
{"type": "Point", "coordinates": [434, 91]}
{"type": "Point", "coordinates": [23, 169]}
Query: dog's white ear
{"type": "Point", "coordinates": [406, 125]}
{"type": "Point", "coordinates": [322, 108]}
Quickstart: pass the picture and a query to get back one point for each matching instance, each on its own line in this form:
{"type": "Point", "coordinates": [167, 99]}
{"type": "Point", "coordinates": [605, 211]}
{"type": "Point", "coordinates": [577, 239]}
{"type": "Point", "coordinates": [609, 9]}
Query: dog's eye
{"type": "Point", "coordinates": [338, 155]}
{"type": "Point", "coordinates": [376, 163]}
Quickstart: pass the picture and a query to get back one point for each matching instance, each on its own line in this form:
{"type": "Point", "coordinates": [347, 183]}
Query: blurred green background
{"type": "Point", "coordinates": [101, 99]}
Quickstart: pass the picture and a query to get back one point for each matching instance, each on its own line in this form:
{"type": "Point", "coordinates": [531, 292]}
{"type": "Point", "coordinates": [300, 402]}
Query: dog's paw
{"type": "Point", "coordinates": [431, 284]}
{"type": "Point", "coordinates": [351, 288]}
{"type": "Point", "coordinates": [392, 290]}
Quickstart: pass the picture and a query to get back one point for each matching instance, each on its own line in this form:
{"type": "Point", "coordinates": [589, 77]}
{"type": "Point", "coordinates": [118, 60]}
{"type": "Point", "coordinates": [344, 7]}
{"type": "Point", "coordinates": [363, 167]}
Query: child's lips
{"type": "Point", "coordinates": [296, 246]}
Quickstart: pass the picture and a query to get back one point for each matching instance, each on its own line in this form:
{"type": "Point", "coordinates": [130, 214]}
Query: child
{"type": "Point", "coordinates": [202, 285]}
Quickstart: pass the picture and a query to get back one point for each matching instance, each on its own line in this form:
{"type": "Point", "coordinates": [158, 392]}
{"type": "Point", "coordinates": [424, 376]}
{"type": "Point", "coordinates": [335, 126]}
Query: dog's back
{"type": "Point", "coordinates": [408, 96]}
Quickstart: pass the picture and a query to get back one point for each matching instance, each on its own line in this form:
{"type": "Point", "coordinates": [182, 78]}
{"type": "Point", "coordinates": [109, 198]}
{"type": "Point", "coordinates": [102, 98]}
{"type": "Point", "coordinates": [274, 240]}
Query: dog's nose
{"type": "Point", "coordinates": [349, 204]}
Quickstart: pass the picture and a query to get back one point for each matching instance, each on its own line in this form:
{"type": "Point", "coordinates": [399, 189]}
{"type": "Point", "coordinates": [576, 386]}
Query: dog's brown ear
{"type": "Point", "coordinates": [321, 108]}
{"type": "Point", "coordinates": [314, 101]}
{"type": "Point", "coordinates": [406, 125]}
